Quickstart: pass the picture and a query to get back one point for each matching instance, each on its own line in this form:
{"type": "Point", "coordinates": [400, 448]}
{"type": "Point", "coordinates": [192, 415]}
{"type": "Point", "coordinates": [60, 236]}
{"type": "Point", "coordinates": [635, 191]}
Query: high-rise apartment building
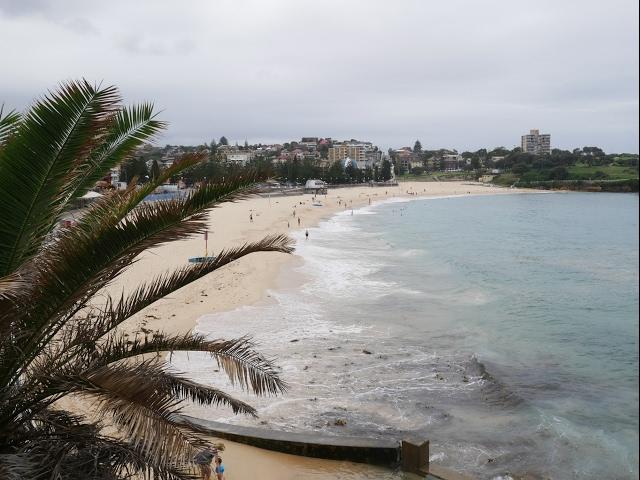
{"type": "Point", "coordinates": [536, 143]}
{"type": "Point", "coordinates": [340, 152]}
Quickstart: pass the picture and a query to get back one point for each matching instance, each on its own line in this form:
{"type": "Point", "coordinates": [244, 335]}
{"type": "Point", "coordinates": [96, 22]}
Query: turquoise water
{"type": "Point", "coordinates": [546, 289]}
{"type": "Point", "coordinates": [502, 328]}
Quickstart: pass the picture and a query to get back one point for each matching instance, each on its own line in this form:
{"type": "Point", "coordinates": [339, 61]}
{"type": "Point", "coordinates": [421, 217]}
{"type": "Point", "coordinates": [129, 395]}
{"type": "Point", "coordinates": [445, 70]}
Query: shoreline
{"type": "Point", "coordinates": [248, 282]}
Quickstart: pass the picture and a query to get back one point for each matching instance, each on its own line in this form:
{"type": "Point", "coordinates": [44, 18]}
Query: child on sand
{"type": "Point", "coordinates": [219, 470]}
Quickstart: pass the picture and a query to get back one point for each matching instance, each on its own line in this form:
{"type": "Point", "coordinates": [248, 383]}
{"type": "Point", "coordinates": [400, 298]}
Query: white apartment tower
{"type": "Point", "coordinates": [536, 143]}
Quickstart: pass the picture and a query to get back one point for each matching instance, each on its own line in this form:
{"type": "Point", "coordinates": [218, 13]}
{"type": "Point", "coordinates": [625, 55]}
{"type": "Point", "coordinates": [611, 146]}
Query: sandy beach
{"type": "Point", "coordinates": [248, 281]}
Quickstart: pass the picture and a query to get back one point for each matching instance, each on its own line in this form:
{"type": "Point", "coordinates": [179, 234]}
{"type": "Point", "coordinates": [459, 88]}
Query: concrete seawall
{"type": "Point", "coordinates": [411, 455]}
{"type": "Point", "coordinates": [361, 450]}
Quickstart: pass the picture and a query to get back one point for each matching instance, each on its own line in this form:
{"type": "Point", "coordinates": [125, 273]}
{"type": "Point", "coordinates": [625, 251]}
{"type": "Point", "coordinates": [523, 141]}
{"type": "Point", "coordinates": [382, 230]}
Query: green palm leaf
{"type": "Point", "coordinates": [84, 261]}
{"type": "Point", "coordinates": [128, 129]}
{"type": "Point", "coordinates": [35, 164]}
{"type": "Point", "coordinates": [8, 125]}
{"type": "Point", "coordinates": [60, 336]}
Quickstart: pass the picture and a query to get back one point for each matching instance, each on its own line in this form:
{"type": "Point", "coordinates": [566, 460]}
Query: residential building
{"type": "Point", "coordinates": [239, 157]}
{"type": "Point", "coordinates": [453, 162]}
{"type": "Point", "coordinates": [309, 142]}
{"type": "Point", "coordinates": [340, 152]}
{"type": "Point", "coordinates": [536, 143]}
{"type": "Point", "coordinates": [406, 159]}
{"type": "Point", "coordinates": [372, 157]}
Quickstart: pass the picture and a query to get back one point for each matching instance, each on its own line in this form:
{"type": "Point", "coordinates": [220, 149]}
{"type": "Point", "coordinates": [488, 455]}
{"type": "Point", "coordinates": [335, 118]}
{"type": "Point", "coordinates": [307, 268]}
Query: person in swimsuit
{"type": "Point", "coordinates": [219, 469]}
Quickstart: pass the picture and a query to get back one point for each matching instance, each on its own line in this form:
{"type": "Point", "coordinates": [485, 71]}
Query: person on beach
{"type": "Point", "coordinates": [251, 217]}
{"type": "Point", "coordinates": [306, 234]}
{"type": "Point", "coordinates": [219, 470]}
{"type": "Point", "coordinates": [298, 221]}
{"type": "Point", "coordinates": [203, 460]}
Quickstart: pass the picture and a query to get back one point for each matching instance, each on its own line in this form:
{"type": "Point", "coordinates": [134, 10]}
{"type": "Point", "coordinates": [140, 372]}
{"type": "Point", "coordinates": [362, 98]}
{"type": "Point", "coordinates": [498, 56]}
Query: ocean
{"type": "Point", "coordinates": [502, 328]}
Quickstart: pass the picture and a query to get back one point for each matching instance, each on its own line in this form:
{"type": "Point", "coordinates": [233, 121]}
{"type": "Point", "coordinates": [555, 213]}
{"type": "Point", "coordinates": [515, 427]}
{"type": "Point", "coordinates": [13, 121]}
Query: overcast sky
{"type": "Point", "coordinates": [460, 74]}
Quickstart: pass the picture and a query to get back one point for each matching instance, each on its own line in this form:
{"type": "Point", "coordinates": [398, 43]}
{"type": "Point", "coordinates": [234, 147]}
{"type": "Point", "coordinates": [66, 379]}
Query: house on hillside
{"type": "Point", "coordinates": [309, 142]}
{"type": "Point", "coordinates": [453, 162]}
{"type": "Point", "coordinates": [239, 158]}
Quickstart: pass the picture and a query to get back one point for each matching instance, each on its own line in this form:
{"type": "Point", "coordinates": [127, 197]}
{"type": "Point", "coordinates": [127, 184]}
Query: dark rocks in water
{"type": "Point", "coordinates": [366, 351]}
{"type": "Point", "coordinates": [340, 422]}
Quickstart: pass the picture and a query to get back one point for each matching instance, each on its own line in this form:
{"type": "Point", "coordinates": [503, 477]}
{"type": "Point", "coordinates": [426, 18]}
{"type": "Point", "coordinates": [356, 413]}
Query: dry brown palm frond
{"type": "Point", "coordinates": [142, 412]}
{"type": "Point", "coordinates": [86, 332]}
{"type": "Point", "coordinates": [238, 359]}
{"type": "Point", "coordinates": [78, 448]}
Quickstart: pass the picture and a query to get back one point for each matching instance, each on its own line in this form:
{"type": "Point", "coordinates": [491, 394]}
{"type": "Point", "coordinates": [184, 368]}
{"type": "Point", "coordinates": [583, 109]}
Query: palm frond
{"type": "Point", "coordinates": [110, 210]}
{"type": "Point", "coordinates": [173, 384]}
{"type": "Point", "coordinates": [82, 262]}
{"type": "Point", "coordinates": [129, 128]}
{"type": "Point", "coordinates": [114, 313]}
{"type": "Point", "coordinates": [36, 161]}
{"type": "Point", "coordinates": [238, 358]}
{"type": "Point", "coordinates": [63, 445]}
{"type": "Point", "coordinates": [11, 285]}
{"type": "Point", "coordinates": [142, 412]}
{"type": "Point", "coordinates": [58, 331]}
{"type": "Point", "coordinates": [84, 333]}
{"type": "Point", "coordinates": [8, 124]}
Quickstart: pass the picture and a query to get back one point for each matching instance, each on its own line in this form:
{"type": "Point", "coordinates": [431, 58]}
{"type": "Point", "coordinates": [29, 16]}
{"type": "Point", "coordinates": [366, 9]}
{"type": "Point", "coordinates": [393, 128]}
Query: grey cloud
{"type": "Point", "coordinates": [155, 47]}
{"type": "Point", "coordinates": [458, 74]}
{"type": "Point", "coordinates": [81, 26]}
{"type": "Point", "coordinates": [23, 7]}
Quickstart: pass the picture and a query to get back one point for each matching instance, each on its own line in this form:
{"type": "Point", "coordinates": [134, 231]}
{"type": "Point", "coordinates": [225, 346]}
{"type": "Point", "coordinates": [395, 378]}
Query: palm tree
{"type": "Point", "coordinates": [59, 330]}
